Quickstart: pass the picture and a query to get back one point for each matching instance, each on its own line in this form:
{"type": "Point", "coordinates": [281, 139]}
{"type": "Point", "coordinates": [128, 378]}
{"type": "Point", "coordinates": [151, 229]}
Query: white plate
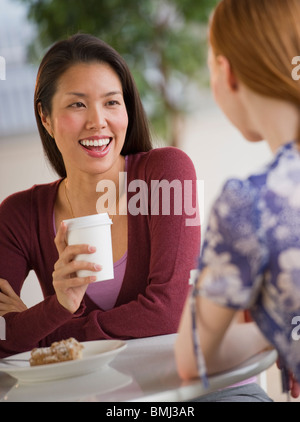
{"type": "Point", "coordinates": [95, 386]}
{"type": "Point", "coordinates": [95, 355]}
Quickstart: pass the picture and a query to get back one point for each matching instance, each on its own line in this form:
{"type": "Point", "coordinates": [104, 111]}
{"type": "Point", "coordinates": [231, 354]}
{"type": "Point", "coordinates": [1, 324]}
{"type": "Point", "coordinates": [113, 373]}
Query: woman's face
{"type": "Point", "coordinates": [89, 118]}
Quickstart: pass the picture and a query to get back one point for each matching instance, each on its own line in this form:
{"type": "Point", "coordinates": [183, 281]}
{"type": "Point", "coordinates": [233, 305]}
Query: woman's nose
{"type": "Point", "coordinates": [96, 118]}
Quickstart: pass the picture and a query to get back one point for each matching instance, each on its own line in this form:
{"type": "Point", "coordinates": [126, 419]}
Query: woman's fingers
{"type": "Point", "coordinates": [71, 283]}
{"type": "Point", "coordinates": [295, 391]}
{"type": "Point", "coordinates": [67, 270]}
{"type": "Point", "coordinates": [294, 387]}
{"type": "Point", "coordinates": [9, 300]}
{"type": "Point", "coordinates": [67, 265]}
{"type": "Point", "coordinates": [70, 291]}
{"type": "Point", "coordinates": [10, 306]}
{"type": "Point", "coordinates": [6, 288]}
{"type": "Point", "coordinates": [67, 252]}
{"type": "Point", "coordinates": [69, 287]}
{"type": "Point", "coordinates": [70, 252]}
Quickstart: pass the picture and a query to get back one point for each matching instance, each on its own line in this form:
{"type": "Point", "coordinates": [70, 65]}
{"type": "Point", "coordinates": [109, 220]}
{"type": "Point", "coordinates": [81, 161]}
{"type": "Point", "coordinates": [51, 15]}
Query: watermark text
{"type": "Point", "coordinates": [2, 328]}
{"type": "Point", "coordinates": [2, 69]}
{"type": "Point", "coordinates": [160, 197]}
{"type": "Point", "coordinates": [296, 329]}
{"type": "Point", "coordinates": [296, 70]}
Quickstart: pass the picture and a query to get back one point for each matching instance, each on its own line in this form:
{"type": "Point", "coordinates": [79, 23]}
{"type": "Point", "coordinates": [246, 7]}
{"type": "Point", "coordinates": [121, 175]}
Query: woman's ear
{"type": "Point", "coordinates": [45, 119]}
{"type": "Point", "coordinates": [228, 73]}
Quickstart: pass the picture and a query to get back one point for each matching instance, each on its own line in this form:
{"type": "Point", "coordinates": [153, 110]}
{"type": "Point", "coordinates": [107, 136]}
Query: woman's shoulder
{"type": "Point", "coordinates": [164, 161]}
{"type": "Point", "coordinates": [236, 191]}
{"type": "Point", "coordinates": [236, 203]}
{"type": "Point", "coordinates": [280, 176]}
{"type": "Point", "coordinates": [165, 153]}
{"type": "Point", "coordinates": [23, 199]}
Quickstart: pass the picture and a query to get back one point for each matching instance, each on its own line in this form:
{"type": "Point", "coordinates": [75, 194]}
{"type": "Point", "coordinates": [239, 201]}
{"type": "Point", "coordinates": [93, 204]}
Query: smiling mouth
{"type": "Point", "coordinates": [97, 145]}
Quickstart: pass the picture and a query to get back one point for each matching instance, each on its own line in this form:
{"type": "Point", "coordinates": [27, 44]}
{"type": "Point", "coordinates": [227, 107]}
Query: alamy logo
{"type": "Point", "coordinates": [2, 69]}
{"type": "Point", "coordinates": [2, 328]}
{"type": "Point", "coordinates": [296, 70]}
{"type": "Point", "coordinates": [296, 330]}
{"type": "Point", "coordinates": [161, 197]}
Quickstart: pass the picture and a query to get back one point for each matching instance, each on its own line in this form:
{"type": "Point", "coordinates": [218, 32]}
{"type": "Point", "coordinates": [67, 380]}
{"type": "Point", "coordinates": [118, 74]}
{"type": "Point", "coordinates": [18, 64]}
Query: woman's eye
{"type": "Point", "coordinates": [113, 103]}
{"type": "Point", "coordinates": [77, 105]}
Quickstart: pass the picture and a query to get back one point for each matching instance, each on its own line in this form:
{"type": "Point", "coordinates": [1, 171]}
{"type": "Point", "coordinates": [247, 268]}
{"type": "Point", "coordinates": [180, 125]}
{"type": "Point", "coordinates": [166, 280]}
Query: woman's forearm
{"type": "Point", "coordinates": [240, 342]}
{"type": "Point", "coordinates": [224, 342]}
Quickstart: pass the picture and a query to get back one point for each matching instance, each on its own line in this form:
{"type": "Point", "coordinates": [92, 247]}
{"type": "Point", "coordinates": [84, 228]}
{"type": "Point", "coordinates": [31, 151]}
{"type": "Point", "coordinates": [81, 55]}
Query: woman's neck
{"type": "Point", "coordinates": [81, 192]}
{"type": "Point", "coordinates": [281, 125]}
{"type": "Point", "coordinates": [276, 121]}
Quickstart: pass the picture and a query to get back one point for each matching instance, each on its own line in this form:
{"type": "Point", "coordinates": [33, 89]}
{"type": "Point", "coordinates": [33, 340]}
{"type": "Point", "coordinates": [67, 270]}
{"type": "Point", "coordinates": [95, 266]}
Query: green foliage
{"type": "Point", "coordinates": [163, 41]}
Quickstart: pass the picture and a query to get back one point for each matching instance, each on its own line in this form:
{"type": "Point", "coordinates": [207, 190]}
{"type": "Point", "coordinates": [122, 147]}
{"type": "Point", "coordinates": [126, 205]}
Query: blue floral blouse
{"type": "Point", "coordinates": [252, 247]}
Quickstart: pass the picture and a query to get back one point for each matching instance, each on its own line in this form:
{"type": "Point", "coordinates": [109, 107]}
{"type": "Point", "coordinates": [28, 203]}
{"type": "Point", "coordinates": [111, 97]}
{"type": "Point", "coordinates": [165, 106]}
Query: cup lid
{"type": "Point", "coordinates": [88, 221]}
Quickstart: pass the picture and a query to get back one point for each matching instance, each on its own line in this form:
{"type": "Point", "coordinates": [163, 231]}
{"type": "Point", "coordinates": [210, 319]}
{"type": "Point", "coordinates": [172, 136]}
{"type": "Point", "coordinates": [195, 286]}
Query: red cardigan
{"type": "Point", "coordinates": [162, 249]}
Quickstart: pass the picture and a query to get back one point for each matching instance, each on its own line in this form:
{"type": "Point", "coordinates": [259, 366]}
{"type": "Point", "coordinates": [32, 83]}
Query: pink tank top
{"type": "Point", "coordinates": [105, 293]}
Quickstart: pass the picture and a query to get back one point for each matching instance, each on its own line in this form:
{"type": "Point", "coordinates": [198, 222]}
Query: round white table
{"type": "Point", "coordinates": [145, 371]}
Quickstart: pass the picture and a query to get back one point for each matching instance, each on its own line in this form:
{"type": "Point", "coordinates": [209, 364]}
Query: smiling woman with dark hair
{"type": "Point", "coordinates": [93, 129]}
{"type": "Point", "coordinates": [86, 49]}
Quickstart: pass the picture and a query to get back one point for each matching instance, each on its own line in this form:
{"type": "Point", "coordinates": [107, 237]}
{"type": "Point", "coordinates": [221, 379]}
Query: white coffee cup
{"type": "Point", "coordinates": [93, 230]}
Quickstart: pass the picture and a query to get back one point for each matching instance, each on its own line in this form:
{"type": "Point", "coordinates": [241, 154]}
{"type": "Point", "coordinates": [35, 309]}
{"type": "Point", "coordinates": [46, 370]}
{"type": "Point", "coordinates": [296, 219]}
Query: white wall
{"type": "Point", "coordinates": [22, 164]}
{"type": "Point", "coordinates": [216, 148]}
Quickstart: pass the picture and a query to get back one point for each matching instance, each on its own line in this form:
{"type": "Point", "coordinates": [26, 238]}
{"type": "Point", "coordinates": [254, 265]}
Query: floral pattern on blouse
{"type": "Point", "coordinates": [252, 247]}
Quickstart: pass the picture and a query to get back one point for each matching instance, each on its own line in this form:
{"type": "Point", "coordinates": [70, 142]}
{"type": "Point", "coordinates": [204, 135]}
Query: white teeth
{"type": "Point", "coordinates": [97, 143]}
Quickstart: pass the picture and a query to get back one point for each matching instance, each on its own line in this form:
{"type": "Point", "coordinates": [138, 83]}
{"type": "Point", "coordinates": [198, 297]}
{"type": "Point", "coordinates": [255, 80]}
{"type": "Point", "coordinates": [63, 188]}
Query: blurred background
{"type": "Point", "coordinates": [165, 44]}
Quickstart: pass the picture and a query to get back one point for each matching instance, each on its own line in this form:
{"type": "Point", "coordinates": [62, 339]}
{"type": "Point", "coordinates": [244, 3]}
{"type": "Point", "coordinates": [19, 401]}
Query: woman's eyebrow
{"type": "Point", "coordinates": [76, 94]}
{"type": "Point", "coordinates": [108, 94]}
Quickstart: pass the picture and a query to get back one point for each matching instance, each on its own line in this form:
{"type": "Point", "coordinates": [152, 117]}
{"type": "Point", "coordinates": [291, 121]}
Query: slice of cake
{"type": "Point", "coordinates": [60, 351]}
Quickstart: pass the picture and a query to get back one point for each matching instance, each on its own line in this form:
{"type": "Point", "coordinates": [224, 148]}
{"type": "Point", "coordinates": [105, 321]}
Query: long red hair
{"type": "Point", "coordinates": [260, 38]}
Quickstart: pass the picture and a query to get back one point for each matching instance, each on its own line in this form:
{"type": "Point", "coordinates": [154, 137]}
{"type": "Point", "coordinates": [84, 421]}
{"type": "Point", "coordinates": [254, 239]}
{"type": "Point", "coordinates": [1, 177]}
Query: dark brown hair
{"type": "Point", "coordinates": [84, 48]}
